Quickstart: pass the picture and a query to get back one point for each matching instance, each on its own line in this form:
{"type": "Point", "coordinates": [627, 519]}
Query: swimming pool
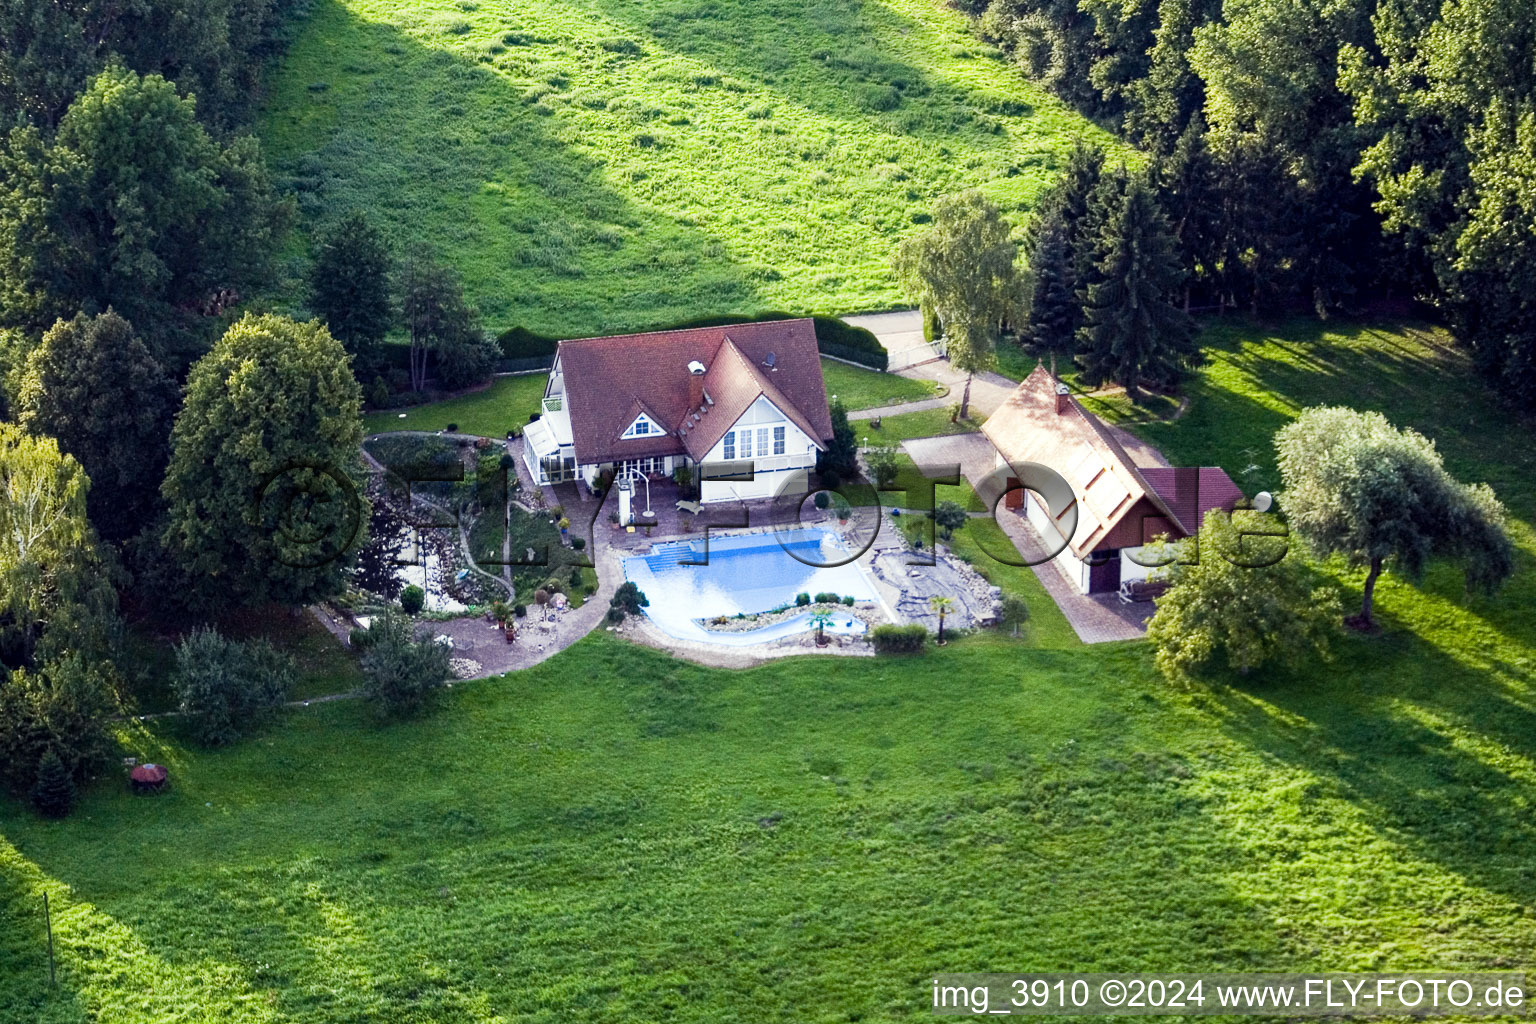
{"type": "Point", "coordinates": [745, 574]}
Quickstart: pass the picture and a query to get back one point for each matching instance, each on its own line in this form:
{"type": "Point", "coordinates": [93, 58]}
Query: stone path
{"type": "Point", "coordinates": [1097, 618]}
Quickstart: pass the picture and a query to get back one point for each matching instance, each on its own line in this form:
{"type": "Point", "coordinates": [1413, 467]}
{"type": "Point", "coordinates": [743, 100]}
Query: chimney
{"type": "Point", "coordinates": [695, 386]}
{"type": "Point", "coordinates": [1063, 398]}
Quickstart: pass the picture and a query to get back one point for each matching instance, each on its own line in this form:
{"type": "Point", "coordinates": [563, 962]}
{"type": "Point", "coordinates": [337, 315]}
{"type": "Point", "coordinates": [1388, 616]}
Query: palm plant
{"type": "Point", "coordinates": [821, 620]}
{"type": "Point", "coordinates": [941, 604]}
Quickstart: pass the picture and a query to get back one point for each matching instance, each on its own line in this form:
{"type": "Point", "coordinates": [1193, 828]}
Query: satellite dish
{"type": "Point", "coordinates": [1263, 501]}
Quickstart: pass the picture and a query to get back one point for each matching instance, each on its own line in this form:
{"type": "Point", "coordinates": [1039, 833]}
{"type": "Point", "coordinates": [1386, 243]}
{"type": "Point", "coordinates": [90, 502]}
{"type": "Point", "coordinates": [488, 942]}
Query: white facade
{"type": "Point", "coordinates": [781, 456]}
{"type": "Point", "coordinates": [1068, 564]}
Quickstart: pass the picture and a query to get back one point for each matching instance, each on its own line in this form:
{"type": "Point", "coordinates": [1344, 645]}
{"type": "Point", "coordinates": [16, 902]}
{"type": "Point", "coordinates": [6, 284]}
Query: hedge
{"type": "Point", "coordinates": [908, 639]}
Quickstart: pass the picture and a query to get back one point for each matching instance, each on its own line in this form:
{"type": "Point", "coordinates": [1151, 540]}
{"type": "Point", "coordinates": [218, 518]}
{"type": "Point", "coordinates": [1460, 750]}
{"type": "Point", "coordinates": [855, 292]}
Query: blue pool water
{"type": "Point", "coordinates": [754, 573]}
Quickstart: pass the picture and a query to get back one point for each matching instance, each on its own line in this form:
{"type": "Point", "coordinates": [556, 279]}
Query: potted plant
{"type": "Point", "coordinates": [565, 524]}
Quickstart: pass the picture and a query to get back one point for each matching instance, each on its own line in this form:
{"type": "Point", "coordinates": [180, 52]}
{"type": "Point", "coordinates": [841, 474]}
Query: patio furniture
{"type": "Point", "coordinates": [690, 506]}
{"type": "Point", "coordinates": [1136, 591]}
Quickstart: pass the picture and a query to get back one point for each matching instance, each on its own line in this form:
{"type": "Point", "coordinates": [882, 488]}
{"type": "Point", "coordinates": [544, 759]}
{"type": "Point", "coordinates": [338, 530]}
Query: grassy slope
{"type": "Point", "coordinates": [752, 154]}
{"type": "Point", "coordinates": [618, 836]}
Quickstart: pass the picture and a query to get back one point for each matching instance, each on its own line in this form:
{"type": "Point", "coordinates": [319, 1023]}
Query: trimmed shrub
{"type": "Point", "coordinates": [908, 639]}
{"type": "Point", "coordinates": [520, 610]}
{"type": "Point", "coordinates": [827, 598]}
{"type": "Point", "coordinates": [412, 599]}
{"type": "Point", "coordinates": [628, 599]}
{"type": "Point", "coordinates": [578, 543]}
{"type": "Point", "coordinates": [848, 599]}
{"type": "Point", "coordinates": [822, 500]}
{"type": "Point", "coordinates": [802, 599]}
{"type": "Point", "coordinates": [521, 343]}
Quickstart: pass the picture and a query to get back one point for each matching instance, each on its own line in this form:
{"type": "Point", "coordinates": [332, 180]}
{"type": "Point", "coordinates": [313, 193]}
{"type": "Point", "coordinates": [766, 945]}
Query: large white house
{"type": "Point", "coordinates": [721, 400]}
{"type": "Point", "coordinates": [1120, 505]}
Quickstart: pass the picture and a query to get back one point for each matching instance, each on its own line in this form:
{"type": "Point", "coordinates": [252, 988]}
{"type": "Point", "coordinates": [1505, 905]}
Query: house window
{"type": "Point", "coordinates": [745, 439]}
{"type": "Point", "coordinates": [730, 445]}
{"type": "Point", "coordinates": [648, 465]}
{"type": "Point", "coordinates": [763, 441]}
{"type": "Point", "coordinates": [642, 427]}
{"type": "Point", "coordinates": [778, 440]}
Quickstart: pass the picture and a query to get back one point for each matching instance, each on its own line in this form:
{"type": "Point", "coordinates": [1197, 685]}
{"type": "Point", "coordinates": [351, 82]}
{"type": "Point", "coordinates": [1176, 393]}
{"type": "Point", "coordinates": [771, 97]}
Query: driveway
{"type": "Point", "coordinates": [901, 333]}
{"type": "Point", "coordinates": [973, 453]}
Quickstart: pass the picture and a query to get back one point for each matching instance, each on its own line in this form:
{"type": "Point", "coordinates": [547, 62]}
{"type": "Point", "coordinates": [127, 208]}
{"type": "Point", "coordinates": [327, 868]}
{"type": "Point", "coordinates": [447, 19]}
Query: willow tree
{"type": "Point", "coordinates": [1356, 486]}
{"type": "Point", "coordinates": [962, 268]}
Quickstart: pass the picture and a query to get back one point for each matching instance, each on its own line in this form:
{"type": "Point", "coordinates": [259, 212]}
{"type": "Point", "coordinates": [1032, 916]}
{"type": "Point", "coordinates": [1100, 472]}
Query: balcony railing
{"type": "Point", "coordinates": [554, 403]}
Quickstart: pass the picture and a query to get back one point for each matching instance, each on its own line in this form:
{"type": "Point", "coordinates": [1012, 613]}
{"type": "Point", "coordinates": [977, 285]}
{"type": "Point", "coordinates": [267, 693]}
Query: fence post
{"type": "Point", "coordinates": [48, 919]}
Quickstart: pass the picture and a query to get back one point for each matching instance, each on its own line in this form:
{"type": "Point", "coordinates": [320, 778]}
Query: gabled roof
{"type": "Point", "coordinates": [734, 382]}
{"type": "Point", "coordinates": [610, 380]}
{"type": "Point", "coordinates": [1191, 493]}
{"type": "Point", "coordinates": [1028, 428]}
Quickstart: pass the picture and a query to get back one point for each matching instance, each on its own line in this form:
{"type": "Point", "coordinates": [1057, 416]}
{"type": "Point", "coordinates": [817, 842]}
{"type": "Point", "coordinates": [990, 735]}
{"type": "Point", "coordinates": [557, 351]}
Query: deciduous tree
{"type": "Point", "coordinates": [963, 269]}
{"type": "Point", "coordinates": [263, 485]}
{"type": "Point", "coordinates": [132, 205]}
{"type": "Point", "coordinates": [1223, 608]}
{"type": "Point", "coordinates": [1356, 486]}
{"type": "Point", "coordinates": [95, 386]}
{"type": "Point", "coordinates": [349, 285]}
{"type": "Point", "coordinates": [55, 589]}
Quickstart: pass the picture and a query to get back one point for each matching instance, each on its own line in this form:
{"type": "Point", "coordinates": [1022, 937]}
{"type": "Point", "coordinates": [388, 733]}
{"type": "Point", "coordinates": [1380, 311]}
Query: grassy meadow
{"type": "Point", "coordinates": [593, 166]}
{"type": "Point", "coordinates": [617, 835]}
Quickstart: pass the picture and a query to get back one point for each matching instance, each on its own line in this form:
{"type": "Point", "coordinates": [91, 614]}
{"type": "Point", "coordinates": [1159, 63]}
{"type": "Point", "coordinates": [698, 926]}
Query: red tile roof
{"type": "Point", "coordinates": [1191, 493]}
{"type": "Point", "coordinates": [608, 380]}
{"type": "Point", "coordinates": [1028, 428]}
{"type": "Point", "coordinates": [1118, 501]}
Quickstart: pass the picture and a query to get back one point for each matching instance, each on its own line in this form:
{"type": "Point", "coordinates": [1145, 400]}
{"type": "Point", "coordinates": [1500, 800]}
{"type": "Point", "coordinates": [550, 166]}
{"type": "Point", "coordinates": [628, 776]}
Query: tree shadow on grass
{"type": "Point", "coordinates": [840, 59]}
{"type": "Point", "coordinates": [1435, 754]}
{"type": "Point", "coordinates": [445, 152]}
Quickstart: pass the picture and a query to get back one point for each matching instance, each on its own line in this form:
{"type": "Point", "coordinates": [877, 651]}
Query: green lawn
{"type": "Point", "coordinates": [618, 836]}
{"type": "Point", "coordinates": [595, 165]}
{"type": "Point", "coordinates": [491, 412]}
{"type": "Point", "coordinates": [906, 425]}
{"type": "Point", "coordinates": [858, 388]}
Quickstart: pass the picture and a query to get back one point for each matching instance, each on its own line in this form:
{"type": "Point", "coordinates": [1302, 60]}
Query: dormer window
{"type": "Point", "coordinates": [643, 426]}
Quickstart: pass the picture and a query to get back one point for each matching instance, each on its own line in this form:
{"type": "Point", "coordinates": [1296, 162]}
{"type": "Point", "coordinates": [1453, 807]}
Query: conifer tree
{"type": "Point", "coordinates": [54, 792]}
{"type": "Point", "coordinates": [1054, 312]}
{"type": "Point", "coordinates": [1134, 332]}
{"type": "Point", "coordinates": [1187, 180]}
